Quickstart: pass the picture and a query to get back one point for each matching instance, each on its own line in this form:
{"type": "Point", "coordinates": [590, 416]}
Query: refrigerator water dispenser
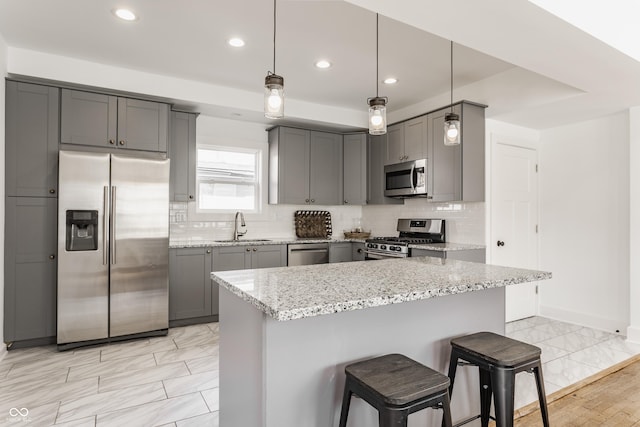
{"type": "Point", "coordinates": [82, 230]}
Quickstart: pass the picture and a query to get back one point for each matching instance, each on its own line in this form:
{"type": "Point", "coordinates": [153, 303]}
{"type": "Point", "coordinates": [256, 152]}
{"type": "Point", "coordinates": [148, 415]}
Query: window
{"type": "Point", "coordinates": [228, 179]}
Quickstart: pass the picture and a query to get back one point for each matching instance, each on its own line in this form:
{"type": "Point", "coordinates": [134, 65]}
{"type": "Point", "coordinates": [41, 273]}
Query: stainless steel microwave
{"type": "Point", "coordinates": [407, 179]}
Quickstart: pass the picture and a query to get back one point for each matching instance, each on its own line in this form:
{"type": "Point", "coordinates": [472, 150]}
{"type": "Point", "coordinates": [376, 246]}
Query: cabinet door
{"type": "Point", "coordinates": [340, 252]}
{"type": "Point", "coordinates": [355, 169]}
{"type": "Point", "coordinates": [88, 118]}
{"type": "Point", "coordinates": [291, 164]}
{"type": "Point", "coordinates": [30, 268]}
{"type": "Point", "coordinates": [444, 161]}
{"type": "Point", "coordinates": [182, 152]}
{"type": "Point", "coordinates": [265, 256]}
{"type": "Point", "coordinates": [231, 258]}
{"type": "Point", "coordinates": [32, 128]}
{"type": "Point", "coordinates": [142, 125]}
{"type": "Point", "coordinates": [428, 252]}
{"type": "Point", "coordinates": [471, 255]}
{"type": "Point", "coordinates": [189, 283]}
{"type": "Point", "coordinates": [357, 252]}
{"type": "Point", "coordinates": [395, 145]}
{"type": "Point", "coordinates": [325, 169]}
{"type": "Point", "coordinates": [376, 155]}
{"type": "Point", "coordinates": [415, 138]}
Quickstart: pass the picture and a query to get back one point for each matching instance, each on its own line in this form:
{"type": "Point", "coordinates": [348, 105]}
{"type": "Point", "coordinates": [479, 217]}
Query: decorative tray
{"type": "Point", "coordinates": [313, 224]}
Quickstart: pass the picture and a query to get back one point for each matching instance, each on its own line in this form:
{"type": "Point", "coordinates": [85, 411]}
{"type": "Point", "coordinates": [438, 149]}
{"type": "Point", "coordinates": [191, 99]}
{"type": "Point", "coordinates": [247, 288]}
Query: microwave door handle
{"type": "Point", "coordinates": [413, 177]}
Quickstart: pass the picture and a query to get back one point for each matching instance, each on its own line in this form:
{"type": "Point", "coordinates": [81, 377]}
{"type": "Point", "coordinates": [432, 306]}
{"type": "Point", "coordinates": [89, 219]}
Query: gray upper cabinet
{"type": "Point", "coordinates": [190, 290]}
{"type": "Point", "coordinates": [108, 121]}
{"type": "Point", "coordinates": [305, 167]}
{"type": "Point", "coordinates": [32, 128]}
{"type": "Point", "coordinates": [376, 155]}
{"type": "Point", "coordinates": [182, 152]}
{"type": "Point", "coordinates": [457, 172]}
{"type": "Point", "coordinates": [30, 268]}
{"type": "Point", "coordinates": [325, 169]}
{"type": "Point", "coordinates": [355, 169]}
{"type": "Point", "coordinates": [407, 141]}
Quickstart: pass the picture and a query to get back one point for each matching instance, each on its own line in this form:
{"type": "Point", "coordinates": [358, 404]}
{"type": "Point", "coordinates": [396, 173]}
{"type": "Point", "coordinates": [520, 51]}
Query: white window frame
{"type": "Point", "coordinates": [258, 196]}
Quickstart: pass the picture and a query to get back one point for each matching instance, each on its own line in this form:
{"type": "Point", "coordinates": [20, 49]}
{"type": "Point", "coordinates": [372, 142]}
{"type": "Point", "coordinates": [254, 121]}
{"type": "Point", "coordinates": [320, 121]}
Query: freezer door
{"type": "Point", "coordinates": [140, 245]}
{"type": "Point", "coordinates": [83, 269]}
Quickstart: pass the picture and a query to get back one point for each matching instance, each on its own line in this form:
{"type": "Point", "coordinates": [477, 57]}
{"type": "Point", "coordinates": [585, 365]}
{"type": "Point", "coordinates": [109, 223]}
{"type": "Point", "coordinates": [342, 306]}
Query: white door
{"type": "Point", "coordinates": [514, 219]}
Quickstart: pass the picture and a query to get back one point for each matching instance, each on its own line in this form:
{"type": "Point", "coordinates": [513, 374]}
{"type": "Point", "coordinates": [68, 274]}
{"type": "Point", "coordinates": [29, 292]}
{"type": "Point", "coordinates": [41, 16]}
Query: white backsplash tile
{"type": "Point", "coordinates": [465, 221]}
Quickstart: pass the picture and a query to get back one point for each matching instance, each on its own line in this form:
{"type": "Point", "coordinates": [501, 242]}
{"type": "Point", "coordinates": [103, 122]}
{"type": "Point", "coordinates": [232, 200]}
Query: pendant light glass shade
{"type": "Point", "coordinates": [451, 129]}
{"type": "Point", "coordinates": [273, 96]}
{"type": "Point", "coordinates": [377, 116]}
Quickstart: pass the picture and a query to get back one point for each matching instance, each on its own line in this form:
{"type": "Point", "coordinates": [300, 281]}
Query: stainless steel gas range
{"type": "Point", "coordinates": [412, 232]}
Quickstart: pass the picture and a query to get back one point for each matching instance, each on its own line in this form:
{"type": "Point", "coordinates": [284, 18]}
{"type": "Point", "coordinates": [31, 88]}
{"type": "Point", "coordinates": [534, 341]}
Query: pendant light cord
{"type": "Point", "coordinates": [274, 36]}
{"type": "Point", "coordinates": [377, 54]}
{"type": "Point", "coordinates": [451, 55]}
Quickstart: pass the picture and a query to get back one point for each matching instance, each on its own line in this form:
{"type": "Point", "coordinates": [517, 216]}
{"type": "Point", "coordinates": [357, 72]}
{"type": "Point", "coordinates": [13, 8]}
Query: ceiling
{"type": "Point", "coordinates": [188, 40]}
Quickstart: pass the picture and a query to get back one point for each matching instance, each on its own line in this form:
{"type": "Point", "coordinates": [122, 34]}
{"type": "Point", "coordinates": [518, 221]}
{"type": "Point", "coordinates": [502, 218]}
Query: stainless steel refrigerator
{"type": "Point", "coordinates": [113, 246]}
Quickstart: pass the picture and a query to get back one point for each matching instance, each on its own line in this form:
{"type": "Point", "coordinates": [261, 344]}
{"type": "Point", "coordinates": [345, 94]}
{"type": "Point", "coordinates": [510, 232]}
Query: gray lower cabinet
{"type": "Point", "coordinates": [376, 155]}
{"type": "Point", "coordinates": [355, 169]}
{"type": "Point", "coordinates": [182, 152]}
{"type": "Point", "coordinates": [340, 252]}
{"type": "Point", "coordinates": [32, 129]}
{"type": "Point", "coordinates": [243, 257]}
{"type": "Point", "coordinates": [472, 255]}
{"type": "Point", "coordinates": [30, 270]}
{"type": "Point", "coordinates": [109, 121]}
{"type": "Point", "coordinates": [305, 167]}
{"type": "Point", "coordinates": [190, 289]}
{"type": "Point", "coordinates": [357, 251]}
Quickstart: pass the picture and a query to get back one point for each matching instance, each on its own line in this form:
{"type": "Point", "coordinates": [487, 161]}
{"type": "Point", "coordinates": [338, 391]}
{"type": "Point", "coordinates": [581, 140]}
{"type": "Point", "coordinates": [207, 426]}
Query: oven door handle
{"type": "Point", "coordinates": [378, 255]}
{"type": "Point", "coordinates": [414, 178]}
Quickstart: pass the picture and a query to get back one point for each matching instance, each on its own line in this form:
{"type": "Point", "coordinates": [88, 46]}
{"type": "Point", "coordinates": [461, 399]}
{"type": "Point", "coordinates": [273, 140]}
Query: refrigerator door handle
{"type": "Point", "coordinates": [105, 216]}
{"type": "Point", "coordinates": [113, 225]}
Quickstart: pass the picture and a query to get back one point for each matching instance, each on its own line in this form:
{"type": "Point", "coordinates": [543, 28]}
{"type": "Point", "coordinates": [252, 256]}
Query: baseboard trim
{"type": "Point", "coordinates": [584, 319]}
{"type": "Point", "coordinates": [633, 334]}
{"type": "Point", "coordinates": [3, 352]}
{"type": "Point", "coordinates": [534, 406]}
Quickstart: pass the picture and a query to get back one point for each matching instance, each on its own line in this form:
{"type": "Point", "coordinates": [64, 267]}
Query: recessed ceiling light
{"type": "Point", "coordinates": [125, 14]}
{"type": "Point", "coordinates": [323, 63]}
{"type": "Point", "coordinates": [236, 42]}
{"type": "Point", "coordinates": [390, 81]}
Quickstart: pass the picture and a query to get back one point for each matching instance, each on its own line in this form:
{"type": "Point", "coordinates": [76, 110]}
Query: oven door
{"type": "Point", "coordinates": [372, 255]}
{"type": "Point", "coordinates": [408, 179]}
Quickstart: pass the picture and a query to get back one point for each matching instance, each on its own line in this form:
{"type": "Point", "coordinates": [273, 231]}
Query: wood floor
{"type": "Point", "coordinates": [613, 400]}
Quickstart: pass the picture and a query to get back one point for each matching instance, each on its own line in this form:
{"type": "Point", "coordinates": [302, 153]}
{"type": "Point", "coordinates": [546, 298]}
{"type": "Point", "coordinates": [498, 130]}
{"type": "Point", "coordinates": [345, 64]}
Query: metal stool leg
{"type": "Point", "coordinates": [485, 397]}
{"type": "Point", "coordinates": [446, 411]}
{"type": "Point", "coordinates": [346, 402]}
{"type": "Point", "coordinates": [503, 381]}
{"type": "Point", "coordinates": [542, 398]}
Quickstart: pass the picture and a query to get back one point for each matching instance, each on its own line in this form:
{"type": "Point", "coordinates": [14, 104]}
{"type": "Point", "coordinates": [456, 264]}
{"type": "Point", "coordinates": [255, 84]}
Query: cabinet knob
{"type": "Point", "coordinates": [500, 243]}
{"type": "Point", "coordinates": [52, 256]}
{"type": "Point", "coordinates": [429, 197]}
{"type": "Point", "coordinates": [401, 158]}
{"type": "Point", "coordinates": [360, 250]}
{"type": "Point", "coordinates": [52, 191]}
{"type": "Point", "coordinates": [121, 142]}
{"type": "Point", "coordinates": [111, 141]}
{"type": "Point", "coordinates": [306, 200]}
{"type": "Point", "coordinates": [255, 249]}
{"type": "Point", "coordinates": [313, 200]}
{"type": "Point", "coordinates": [248, 249]}
{"type": "Point", "coordinates": [208, 251]}
{"type": "Point", "coordinates": [345, 202]}
{"type": "Point", "coordinates": [190, 196]}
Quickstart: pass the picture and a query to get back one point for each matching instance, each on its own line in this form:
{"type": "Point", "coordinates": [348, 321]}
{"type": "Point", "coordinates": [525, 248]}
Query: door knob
{"type": "Point", "coordinates": [500, 243]}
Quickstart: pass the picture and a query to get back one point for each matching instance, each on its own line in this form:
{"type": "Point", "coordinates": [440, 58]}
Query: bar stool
{"type": "Point", "coordinates": [499, 359]}
{"type": "Point", "coordinates": [396, 386]}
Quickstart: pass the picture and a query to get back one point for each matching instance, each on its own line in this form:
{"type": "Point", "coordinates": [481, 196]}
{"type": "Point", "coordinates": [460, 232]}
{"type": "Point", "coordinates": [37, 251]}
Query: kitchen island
{"type": "Point", "coordinates": [287, 333]}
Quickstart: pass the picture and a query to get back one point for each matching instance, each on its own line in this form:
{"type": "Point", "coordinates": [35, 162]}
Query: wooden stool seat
{"type": "Point", "coordinates": [396, 386]}
{"type": "Point", "coordinates": [499, 359]}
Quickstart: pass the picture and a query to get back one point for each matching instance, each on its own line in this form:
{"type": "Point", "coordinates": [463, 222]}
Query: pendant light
{"type": "Point", "coordinates": [377, 105]}
{"type": "Point", "coordinates": [274, 84]}
{"type": "Point", "coordinates": [451, 119]}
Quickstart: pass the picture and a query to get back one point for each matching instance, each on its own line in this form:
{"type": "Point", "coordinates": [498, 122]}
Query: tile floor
{"type": "Point", "coordinates": [173, 380]}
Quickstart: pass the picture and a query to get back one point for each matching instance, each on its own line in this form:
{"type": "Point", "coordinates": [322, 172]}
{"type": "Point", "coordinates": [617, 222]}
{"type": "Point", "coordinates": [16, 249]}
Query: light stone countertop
{"type": "Point", "coordinates": [288, 293]}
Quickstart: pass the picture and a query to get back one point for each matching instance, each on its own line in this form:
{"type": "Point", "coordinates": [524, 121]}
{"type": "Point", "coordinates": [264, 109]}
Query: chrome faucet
{"type": "Point", "coordinates": [236, 232]}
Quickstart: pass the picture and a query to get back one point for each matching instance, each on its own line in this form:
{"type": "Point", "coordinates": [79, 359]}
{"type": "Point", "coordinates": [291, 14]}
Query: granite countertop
{"type": "Point", "coordinates": [201, 243]}
{"type": "Point", "coordinates": [288, 293]}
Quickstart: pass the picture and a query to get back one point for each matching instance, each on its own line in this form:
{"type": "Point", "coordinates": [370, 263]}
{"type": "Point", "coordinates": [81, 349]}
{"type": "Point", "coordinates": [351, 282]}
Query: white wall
{"type": "Point", "coordinates": [273, 220]}
{"type": "Point", "coordinates": [633, 332]}
{"type": "Point", "coordinates": [584, 207]}
{"type": "Point", "coordinates": [3, 72]}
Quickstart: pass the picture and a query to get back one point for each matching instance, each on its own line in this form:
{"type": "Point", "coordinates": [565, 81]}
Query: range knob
{"type": "Point", "coordinates": [383, 246]}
